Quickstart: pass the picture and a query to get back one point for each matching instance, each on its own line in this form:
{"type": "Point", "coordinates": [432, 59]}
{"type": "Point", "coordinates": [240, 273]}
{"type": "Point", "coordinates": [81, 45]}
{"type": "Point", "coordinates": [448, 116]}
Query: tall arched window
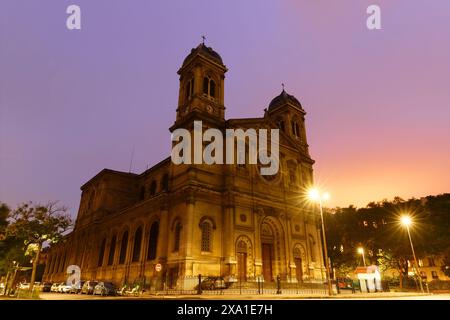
{"type": "Point", "coordinates": [165, 182]}
{"type": "Point", "coordinates": [206, 229]}
{"type": "Point", "coordinates": [189, 89]}
{"type": "Point", "coordinates": [176, 245]}
{"type": "Point", "coordinates": [112, 250]}
{"type": "Point", "coordinates": [101, 253]}
{"type": "Point", "coordinates": [153, 188]}
{"type": "Point", "coordinates": [123, 248]}
{"type": "Point", "coordinates": [281, 125]}
{"type": "Point", "coordinates": [142, 193]}
{"type": "Point", "coordinates": [153, 241]}
{"type": "Point", "coordinates": [209, 87]}
{"type": "Point", "coordinates": [295, 129]}
{"type": "Point", "coordinates": [137, 244]}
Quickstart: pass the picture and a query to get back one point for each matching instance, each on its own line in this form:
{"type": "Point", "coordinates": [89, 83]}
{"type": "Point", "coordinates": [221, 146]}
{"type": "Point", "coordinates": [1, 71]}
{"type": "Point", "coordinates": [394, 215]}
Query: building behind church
{"type": "Point", "coordinates": [217, 220]}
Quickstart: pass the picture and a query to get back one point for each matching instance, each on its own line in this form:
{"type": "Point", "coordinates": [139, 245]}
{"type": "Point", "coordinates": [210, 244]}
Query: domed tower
{"type": "Point", "coordinates": [201, 93]}
{"type": "Point", "coordinates": [287, 112]}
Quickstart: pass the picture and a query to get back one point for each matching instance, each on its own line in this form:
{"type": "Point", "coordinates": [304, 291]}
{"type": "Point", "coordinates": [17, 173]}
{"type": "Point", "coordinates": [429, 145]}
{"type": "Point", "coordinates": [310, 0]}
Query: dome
{"type": "Point", "coordinates": [205, 51]}
{"type": "Point", "coordinates": [282, 99]}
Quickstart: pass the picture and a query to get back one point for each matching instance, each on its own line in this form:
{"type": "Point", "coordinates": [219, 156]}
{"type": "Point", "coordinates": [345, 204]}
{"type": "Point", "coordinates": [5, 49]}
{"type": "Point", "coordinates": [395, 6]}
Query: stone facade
{"type": "Point", "coordinates": [225, 220]}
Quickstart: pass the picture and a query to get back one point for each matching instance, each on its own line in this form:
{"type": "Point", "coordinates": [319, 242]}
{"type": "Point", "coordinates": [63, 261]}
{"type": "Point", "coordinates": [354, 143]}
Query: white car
{"type": "Point", "coordinates": [64, 288]}
{"type": "Point", "coordinates": [55, 287]}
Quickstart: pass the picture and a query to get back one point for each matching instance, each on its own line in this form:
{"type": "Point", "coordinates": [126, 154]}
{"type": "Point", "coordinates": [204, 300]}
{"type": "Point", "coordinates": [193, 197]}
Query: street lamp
{"type": "Point", "coordinates": [406, 221]}
{"type": "Point", "coordinates": [361, 251]}
{"type": "Point", "coordinates": [316, 196]}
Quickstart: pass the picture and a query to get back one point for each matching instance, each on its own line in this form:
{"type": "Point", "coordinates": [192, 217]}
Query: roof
{"type": "Point", "coordinates": [205, 51]}
{"type": "Point", "coordinates": [282, 99]}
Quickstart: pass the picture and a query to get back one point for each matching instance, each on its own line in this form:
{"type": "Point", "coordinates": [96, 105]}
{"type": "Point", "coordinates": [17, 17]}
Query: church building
{"type": "Point", "coordinates": [223, 220]}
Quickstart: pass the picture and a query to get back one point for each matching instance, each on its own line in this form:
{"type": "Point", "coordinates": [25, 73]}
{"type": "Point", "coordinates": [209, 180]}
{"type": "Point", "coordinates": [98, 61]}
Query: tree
{"type": "Point", "coordinates": [35, 225]}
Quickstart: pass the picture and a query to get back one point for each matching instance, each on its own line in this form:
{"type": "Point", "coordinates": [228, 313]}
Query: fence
{"type": "Point", "coordinates": [194, 285]}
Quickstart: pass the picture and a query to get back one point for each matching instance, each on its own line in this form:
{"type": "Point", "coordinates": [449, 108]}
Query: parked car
{"type": "Point", "coordinates": [105, 289]}
{"type": "Point", "coordinates": [46, 286]}
{"type": "Point", "coordinates": [23, 286]}
{"type": "Point", "coordinates": [64, 288]}
{"type": "Point", "coordinates": [54, 287]}
{"type": "Point", "coordinates": [213, 283]}
{"type": "Point", "coordinates": [77, 288]}
{"type": "Point", "coordinates": [88, 287]}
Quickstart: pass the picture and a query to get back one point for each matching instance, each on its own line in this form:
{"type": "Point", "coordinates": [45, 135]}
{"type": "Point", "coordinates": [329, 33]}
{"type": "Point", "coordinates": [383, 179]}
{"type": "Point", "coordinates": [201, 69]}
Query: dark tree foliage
{"type": "Point", "coordinates": [377, 229]}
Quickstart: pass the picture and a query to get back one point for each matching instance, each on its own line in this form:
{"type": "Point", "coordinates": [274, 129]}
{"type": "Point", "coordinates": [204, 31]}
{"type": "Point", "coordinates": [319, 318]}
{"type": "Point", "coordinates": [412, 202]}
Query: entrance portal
{"type": "Point", "coordinates": [267, 261]}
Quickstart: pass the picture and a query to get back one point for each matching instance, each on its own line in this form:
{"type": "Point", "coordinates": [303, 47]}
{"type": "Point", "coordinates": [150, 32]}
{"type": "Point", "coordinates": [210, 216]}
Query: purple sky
{"type": "Point", "coordinates": [75, 102]}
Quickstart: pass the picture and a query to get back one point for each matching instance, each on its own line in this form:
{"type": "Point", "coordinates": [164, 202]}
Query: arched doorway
{"type": "Point", "coordinates": [242, 260]}
{"type": "Point", "coordinates": [298, 264]}
{"type": "Point", "coordinates": [267, 251]}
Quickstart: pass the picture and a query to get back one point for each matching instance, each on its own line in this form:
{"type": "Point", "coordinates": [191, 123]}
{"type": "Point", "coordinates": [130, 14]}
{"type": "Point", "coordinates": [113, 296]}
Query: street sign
{"type": "Point", "coordinates": [158, 267]}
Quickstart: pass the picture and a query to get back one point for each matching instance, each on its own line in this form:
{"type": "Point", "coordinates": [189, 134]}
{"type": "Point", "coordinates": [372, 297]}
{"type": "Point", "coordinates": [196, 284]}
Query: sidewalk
{"type": "Point", "coordinates": [370, 296]}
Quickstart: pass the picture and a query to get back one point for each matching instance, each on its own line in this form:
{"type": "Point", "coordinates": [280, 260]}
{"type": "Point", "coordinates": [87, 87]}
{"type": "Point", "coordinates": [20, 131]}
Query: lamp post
{"type": "Point", "coordinates": [316, 196]}
{"type": "Point", "coordinates": [361, 251]}
{"type": "Point", "coordinates": [406, 221]}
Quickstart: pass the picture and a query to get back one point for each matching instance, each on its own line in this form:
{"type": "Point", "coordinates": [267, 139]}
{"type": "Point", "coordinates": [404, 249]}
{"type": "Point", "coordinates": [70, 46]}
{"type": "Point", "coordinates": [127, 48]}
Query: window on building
{"type": "Point", "coordinates": [189, 89]}
{"type": "Point", "coordinates": [123, 248]}
{"type": "Point", "coordinates": [281, 125]}
{"type": "Point", "coordinates": [420, 263]}
{"type": "Point", "coordinates": [101, 253]}
{"type": "Point", "coordinates": [165, 182]}
{"type": "Point", "coordinates": [137, 245]}
{"type": "Point", "coordinates": [295, 129]}
{"type": "Point", "coordinates": [142, 193]}
{"type": "Point", "coordinates": [431, 262]}
{"type": "Point", "coordinates": [209, 87]}
{"type": "Point", "coordinates": [176, 245]}
{"type": "Point", "coordinates": [112, 250]}
{"type": "Point", "coordinates": [153, 188]}
{"type": "Point", "coordinates": [206, 229]}
{"type": "Point", "coordinates": [153, 241]}
{"type": "Point", "coordinates": [62, 263]}
{"type": "Point", "coordinates": [434, 275]}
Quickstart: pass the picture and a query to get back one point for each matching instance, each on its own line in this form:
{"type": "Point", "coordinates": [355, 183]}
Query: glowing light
{"type": "Point", "coordinates": [314, 194]}
{"type": "Point", "coordinates": [360, 250]}
{"type": "Point", "coordinates": [406, 220]}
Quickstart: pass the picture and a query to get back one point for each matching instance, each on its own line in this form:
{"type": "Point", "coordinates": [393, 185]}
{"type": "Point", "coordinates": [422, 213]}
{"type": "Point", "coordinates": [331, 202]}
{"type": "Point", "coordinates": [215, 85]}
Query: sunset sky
{"type": "Point", "coordinates": [75, 102]}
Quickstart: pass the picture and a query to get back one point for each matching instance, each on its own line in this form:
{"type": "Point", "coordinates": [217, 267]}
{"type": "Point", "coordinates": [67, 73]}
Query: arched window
{"type": "Point", "coordinates": [101, 253]}
{"type": "Point", "coordinates": [153, 188]}
{"type": "Point", "coordinates": [206, 229]}
{"type": "Point", "coordinates": [212, 88]}
{"type": "Point", "coordinates": [295, 129]}
{"type": "Point", "coordinates": [281, 125]}
{"type": "Point", "coordinates": [112, 250]}
{"type": "Point", "coordinates": [209, 87]}
{"type": "Point", "coordinates": [123, 248]}
{"type": "Point", "coordinates": [165, 182]}
{"type": "Point", "coordinates": [137, 245]}
{"type": "Point", "coordinates": [206, 85]}
{"type": "Point", "coordinates": [153, 241]}
{"type": "Point", "coordinates": [189, 89]}
{"type": "Point", "coordinates": [142, 193]}
{"type": "Point", "coordinates": [62, 262]}
{"type": "Point", "coordinates": [176, 245]}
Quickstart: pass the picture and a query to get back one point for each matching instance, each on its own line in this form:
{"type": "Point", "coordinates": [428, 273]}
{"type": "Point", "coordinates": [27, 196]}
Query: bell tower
{"type": "Point", "coordinates": [201, 92]}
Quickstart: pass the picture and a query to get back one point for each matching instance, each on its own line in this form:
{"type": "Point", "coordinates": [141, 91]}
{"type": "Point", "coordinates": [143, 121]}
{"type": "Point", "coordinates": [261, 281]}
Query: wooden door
{"type": "Point", "coordinates": [267, 261]}
{"type": "Point", "coordinates": [298, 269]}
{"type": "Point", "coordinates": [242, 266]}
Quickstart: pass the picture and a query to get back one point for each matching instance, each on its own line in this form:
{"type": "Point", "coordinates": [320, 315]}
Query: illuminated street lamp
{"type": "Point", "coordinates": [316, 196]}
{"type": "Point", "coordinates": [361, 251]}
{"type": "Point", "coordinates": [406, 221]}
